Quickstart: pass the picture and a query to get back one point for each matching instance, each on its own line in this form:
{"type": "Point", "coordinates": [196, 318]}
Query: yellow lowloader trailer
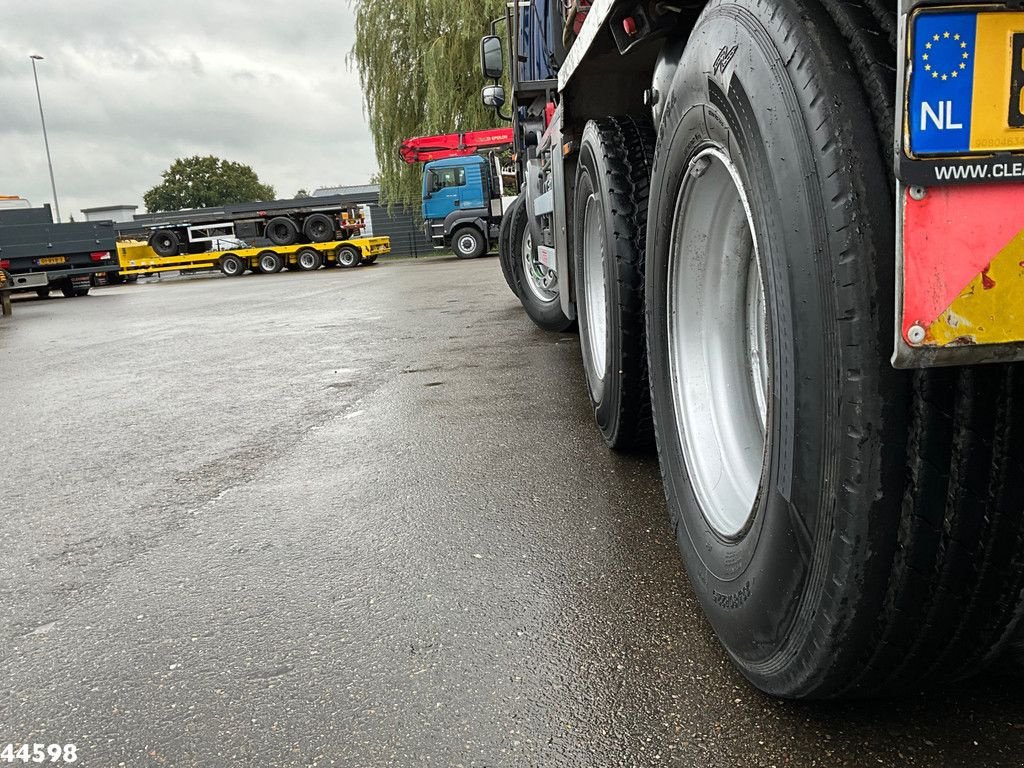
{"type": "Point", "coordinates": [137, 258]}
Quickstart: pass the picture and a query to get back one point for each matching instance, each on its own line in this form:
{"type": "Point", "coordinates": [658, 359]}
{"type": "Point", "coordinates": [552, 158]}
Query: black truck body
{"type": "Point", "coordinates": [277, 222]}
{"type": "Point", "coordinates": [68, 254]}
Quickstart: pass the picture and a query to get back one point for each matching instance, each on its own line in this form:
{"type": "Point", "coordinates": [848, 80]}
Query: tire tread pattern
{"type": "Point", "coordinates": [627, 144]}
{"type": "Point", "coordinates": [954, 592]}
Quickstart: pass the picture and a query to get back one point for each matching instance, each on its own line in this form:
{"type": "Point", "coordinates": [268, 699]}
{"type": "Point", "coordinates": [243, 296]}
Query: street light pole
{"type": "Point", "coordinates": [46, 141]}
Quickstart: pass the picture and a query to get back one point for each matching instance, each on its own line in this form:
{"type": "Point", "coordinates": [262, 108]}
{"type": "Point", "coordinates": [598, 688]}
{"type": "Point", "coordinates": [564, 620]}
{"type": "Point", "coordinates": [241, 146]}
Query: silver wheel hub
{"type": "Point", "coordinates": [467, 244]}
{"type": "Point", "coordinates": [717, 342]}
{"type": "Point", "coordinates": [594, 286]}
{"type": "Point", "coordinates": [541, 281]}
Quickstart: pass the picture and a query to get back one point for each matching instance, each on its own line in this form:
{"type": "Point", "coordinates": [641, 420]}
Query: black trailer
{"type": "Point", "coordinates": [277, 222]}
{"type": "Point", "coordinates": [68, 255]}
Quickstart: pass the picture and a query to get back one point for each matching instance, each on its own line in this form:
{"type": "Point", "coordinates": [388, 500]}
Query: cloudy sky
{"type": "Point", "coordinates": [129, 86]}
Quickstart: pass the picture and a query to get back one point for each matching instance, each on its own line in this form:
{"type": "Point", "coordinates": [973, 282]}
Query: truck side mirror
{"type": "Point", "coordinates": [493, 96]}
{"type": "Point", "coordinates": [492, 59]}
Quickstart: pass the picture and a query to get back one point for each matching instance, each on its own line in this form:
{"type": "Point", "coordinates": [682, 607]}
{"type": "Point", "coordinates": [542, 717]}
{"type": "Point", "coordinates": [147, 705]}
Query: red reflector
{"type": "Point", "coordinates": [629, 25]}
{"type": "Point", "coordinates": [5, 263]}
{"type": "Point", "coordinates": [99, 255]}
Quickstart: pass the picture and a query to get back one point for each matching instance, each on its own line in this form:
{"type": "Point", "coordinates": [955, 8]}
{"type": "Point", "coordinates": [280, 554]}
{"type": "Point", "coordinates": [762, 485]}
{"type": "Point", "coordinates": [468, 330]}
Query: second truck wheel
{"type": "Point", "coordinates": [609, 241]}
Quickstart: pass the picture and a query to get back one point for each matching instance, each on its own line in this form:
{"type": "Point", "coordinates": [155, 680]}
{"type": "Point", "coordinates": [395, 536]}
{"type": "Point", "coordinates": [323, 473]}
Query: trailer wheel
{"type": "Point", "coordinates": [281, 230]}
{"type": "Point", "coordinates": [609, 241]}
{"type": "Point", "coordinates": [849, 529]}
{"type": "Point", "coordinates": [70, 292]}
{"type": "Point", "coordinates": [468, 242]}
{"type": "Point", "coordinates": [165, 242]}
{"type": "Point", "coordinates": [231, 265]}
{"type": "Point", "coordinates": [506, 253]}
{"type": "Point", "coordinates": [369, 261]}
{"type": "Point", "coordinates": [538, 287]}
{"type": "Point", "coordinates": [43, 293]}
{"type": "Point", "coordinates": [269, 262]}
{"type": "Point", "coordinates": [319, 228]}
{"type": "Point", "coordinates": [348, 257]}
{"type": "Point", "coordinates": [308, 260]}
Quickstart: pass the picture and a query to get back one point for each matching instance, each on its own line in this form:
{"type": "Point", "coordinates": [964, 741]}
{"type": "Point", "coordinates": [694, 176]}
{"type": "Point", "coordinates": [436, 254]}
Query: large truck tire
{"type": "Point", "coordinates": [281, 230]}
{"type": "Point", "coordinates": [537, 294]}
{"type": "Point", "coordinates": [318, 228]}
{"type": "Point", "coordinates": [269, 262]}
{"type": "Point", "coordinates": [468, 242]}
{"type": "Point", "coordinates": [165, 242]}
{"type": "Point", "coordinates": [348, 256]}
{"type": "Point", "coordinates": [609, 222]}
{"type": "Point", "coordinates": [71, 292]}
{"type": "Point", "coordinates": [849, 529]}
{"type": "Point", "coordinates": [308, 260]}
{"type": "Point", "coordinates": [232, 265]}
{"type": "Point", "coordinates": [505, 251]}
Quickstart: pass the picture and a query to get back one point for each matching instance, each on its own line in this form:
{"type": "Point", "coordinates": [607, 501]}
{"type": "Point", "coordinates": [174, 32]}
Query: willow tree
{"type": "Point", "coordinates": [418, 63]}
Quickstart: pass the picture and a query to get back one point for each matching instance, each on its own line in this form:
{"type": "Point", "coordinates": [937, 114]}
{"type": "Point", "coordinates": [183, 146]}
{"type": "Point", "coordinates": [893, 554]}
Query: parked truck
{"type": "Point", "coordinates": [44, 256]}
{"type": "Point", "coordinates": [791, 235]}
{"type": "Point", "coordinates": [463, 192]}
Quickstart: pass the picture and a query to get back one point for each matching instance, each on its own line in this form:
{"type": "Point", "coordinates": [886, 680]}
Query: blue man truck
{"type": "Point", "coordinates": [462, 189]}
{"type": "Point", "coordinates": [791, 234]}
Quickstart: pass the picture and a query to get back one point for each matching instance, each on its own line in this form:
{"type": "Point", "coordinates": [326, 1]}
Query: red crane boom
{"type": "Point", "coordinates": [423, 149]}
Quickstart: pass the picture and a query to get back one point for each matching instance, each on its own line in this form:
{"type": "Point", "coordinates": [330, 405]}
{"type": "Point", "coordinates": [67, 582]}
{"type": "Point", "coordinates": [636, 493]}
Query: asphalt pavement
{"type": "Point", "coordinates": [362, 518]}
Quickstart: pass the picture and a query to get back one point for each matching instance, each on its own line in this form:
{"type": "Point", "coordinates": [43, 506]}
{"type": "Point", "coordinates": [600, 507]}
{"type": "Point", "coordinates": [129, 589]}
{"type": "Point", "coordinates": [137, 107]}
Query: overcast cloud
{"type": "Point", "coordinates": [129, 86]}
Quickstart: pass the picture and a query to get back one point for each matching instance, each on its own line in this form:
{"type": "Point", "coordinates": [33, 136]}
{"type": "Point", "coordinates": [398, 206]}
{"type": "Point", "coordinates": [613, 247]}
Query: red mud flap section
{"type": "Point", "coordinates": [963, 276]}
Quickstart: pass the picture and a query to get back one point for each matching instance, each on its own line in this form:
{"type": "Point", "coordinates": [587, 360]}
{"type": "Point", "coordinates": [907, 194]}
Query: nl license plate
{"type": "Point", "coordinates": [51, 260]}
{"type": "Point", "coordinates": [966, 82]}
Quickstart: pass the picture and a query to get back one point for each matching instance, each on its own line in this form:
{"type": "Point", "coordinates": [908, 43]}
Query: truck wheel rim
{"type": "Point", "coordinates": [307, 260]}
{"type": "Point", "coordinates": [717, 342]}
{"type": "Point", "coordinates": [267, 263]}
{"type": "Point", "coordinates": [595, 289]}
{"type": "Point", "coordinates": [542, 282]}
{"type": "Point", "coordinates": [348, 258]}
{"type": "Point", "coordinates": [467, 244]}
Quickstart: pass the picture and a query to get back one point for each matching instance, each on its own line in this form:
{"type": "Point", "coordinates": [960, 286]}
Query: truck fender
{"type": "Point", "coordinates": [664, 70]}
{"type": "Point", "coordinates": [476, 217]}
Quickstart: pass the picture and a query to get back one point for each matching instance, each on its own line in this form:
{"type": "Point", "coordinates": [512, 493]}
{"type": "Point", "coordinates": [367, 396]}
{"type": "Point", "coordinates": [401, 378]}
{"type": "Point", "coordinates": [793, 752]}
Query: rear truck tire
{"type": "Point", "coordinates": [505, 250]}
{"type": "Point", "coordinates": [609, 242]}
{"type": "Point", "coordinates": [281, 230]}
{"type": "Point", "coordinates": [308, 260]}
{"type": "Point", "coordinates": [849, 529]}
{"type": "Point", "coordinates": [269, 262]}
{"type": "Point", "coordinates": [43, 293]}
{"type": "Point", "coordinates": [232, 265]}
{"type": "Point", "coordinates": [165, 242]}
{"type": "Point", "coordinates": [468, 243]}
{"type": "Point", "coordinates": [70, 292]}
{"type": "Point", "coordinates": [319, 228]}
{"type": "Point", "coordinates": [348, 256]}
{"type": "Point", "coordinates": [538, 287]}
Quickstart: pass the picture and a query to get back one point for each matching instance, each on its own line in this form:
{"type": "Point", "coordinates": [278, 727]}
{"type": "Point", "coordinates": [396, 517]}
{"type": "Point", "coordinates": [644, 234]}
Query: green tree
{"type": "Point", "coordinates": [205, 182]}
{"type": "Point", "coordinates": [418, 63]}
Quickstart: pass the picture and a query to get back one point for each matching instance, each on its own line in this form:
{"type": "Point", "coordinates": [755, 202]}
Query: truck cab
{"type": "Point", "coordinates": [462, 204]}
